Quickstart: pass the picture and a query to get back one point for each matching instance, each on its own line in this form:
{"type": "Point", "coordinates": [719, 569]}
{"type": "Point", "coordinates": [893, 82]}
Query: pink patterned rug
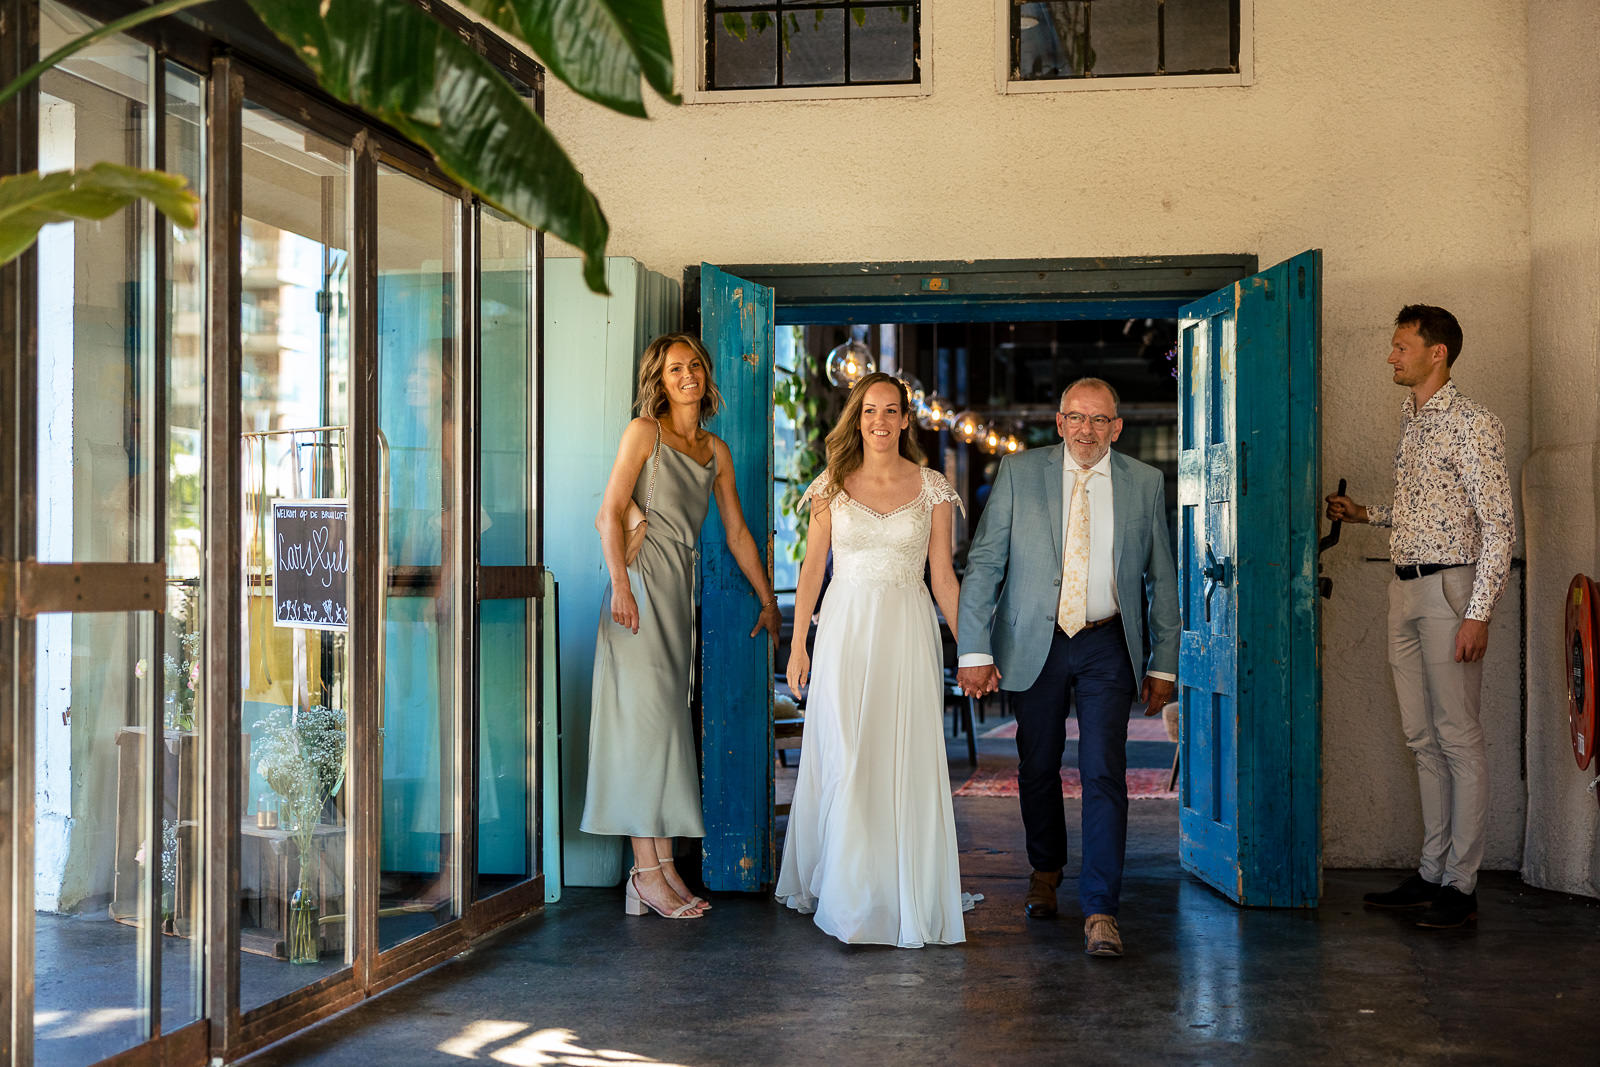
{"type": "Point", "coordinates": [1001, 781]}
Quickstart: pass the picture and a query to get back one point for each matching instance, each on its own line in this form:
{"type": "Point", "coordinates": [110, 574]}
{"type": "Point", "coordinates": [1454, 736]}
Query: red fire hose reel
{"type": "Point", "coordinates": [1583, 670]}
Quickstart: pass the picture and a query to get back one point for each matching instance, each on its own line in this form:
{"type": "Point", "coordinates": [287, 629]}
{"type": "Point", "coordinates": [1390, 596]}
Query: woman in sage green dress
{"type": "Point", "coordinates": [644, 782]}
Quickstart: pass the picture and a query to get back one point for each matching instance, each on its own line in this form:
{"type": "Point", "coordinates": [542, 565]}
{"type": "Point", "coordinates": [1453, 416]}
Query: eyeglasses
{"type": "Point", "coordinates": [1076, 419]}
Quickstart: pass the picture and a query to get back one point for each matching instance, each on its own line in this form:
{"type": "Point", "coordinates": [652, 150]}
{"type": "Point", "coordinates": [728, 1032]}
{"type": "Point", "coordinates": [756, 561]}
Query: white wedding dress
{"type": "Point", "coordinates": [871, 844]}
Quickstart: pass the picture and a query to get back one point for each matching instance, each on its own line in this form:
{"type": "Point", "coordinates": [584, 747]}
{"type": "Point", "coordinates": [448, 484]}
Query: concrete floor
{"type": "Point", "coordinates": [1203, 981]}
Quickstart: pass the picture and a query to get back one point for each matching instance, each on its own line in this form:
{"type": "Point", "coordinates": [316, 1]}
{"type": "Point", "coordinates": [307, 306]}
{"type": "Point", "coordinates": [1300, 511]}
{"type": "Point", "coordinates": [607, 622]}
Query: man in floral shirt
{"type": "Point", "coordinates": [1451, 548]}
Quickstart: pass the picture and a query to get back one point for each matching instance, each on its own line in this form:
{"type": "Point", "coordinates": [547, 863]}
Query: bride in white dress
{"type": "Point", "coordinates": [871, 844]}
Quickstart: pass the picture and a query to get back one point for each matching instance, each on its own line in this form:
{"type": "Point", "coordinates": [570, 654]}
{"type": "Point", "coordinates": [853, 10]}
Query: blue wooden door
{"type": "Point", "coordinates": [1248, 681]}
{"type": "Point", "coordinates": [736, 669]}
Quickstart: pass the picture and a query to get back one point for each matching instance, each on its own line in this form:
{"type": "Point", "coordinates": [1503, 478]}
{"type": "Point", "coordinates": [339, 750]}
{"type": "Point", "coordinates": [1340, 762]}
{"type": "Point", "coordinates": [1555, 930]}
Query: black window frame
{"type": "Point", "coordinates": [1235, 44]}
{"type": "Point", "coordinates": [711, 11]}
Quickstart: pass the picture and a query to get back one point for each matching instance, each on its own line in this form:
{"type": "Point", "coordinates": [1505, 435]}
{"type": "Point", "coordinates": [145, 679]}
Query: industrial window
{"type": "Point", "coordinates": [1065, 40]}
{"type": "Point", "coordinates": [811, 43]}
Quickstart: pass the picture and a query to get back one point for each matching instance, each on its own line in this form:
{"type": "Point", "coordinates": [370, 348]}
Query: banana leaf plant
{"type": "Point", "coordinates": [395, 62]}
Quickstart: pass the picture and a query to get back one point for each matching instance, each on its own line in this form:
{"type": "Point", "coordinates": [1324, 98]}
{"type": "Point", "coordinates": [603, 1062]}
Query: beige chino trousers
{"type": "Point", "coordinates": [1439, 713]}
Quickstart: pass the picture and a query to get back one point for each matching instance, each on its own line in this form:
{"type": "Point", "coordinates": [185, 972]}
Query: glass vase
{"type": "Point", "coordinates": [304, 927]}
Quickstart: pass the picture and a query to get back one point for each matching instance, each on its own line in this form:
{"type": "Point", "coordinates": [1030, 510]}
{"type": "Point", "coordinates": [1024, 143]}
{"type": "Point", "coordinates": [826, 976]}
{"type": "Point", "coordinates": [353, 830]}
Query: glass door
{"type": "Point", "coordinates": [418, 298]}
{"type": "Point", "coordinates": [108, 736]}
{"type": "Point", "coordinates": [293, 836]}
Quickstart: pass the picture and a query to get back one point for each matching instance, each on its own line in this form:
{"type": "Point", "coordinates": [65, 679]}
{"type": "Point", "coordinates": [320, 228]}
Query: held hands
{"type": "Point", "coordinates": [978, 681]}
{"type": "Point", "coordinates": [1343, 509]}
{"type": "Point", "coordinates": [798, 673]}
{"type": "Point", "coordinates": [624, 609]}
{"type": "Point", "coordinates": [1156, 693]}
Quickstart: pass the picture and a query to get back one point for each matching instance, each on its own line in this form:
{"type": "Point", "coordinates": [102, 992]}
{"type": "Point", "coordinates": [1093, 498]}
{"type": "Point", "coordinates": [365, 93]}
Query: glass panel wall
{"type": "Point", "coordinates": [294, 843]}
{"type": "Point", "coordinates": [182, 710]}
{"type": "Point", "coordinates": [95, 863]}
{"type": "Point", "coordinates": [419, 306]}
{"type": "Point", "coordinates": [506, 538]}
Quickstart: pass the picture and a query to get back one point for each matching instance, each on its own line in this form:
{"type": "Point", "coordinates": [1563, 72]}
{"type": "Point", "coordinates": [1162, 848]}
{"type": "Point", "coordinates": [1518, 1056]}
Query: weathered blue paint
{"type": "Point", "coordinates": [736, 669]}
{"type": "Point", "coordinates": [1249, 685]}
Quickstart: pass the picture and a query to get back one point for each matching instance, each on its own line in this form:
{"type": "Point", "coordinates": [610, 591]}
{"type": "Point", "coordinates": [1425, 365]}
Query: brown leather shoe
{"type": "Point", "coordinates": [1100, 935]}
{"type": "Point", "coordinates": [1041, 902]}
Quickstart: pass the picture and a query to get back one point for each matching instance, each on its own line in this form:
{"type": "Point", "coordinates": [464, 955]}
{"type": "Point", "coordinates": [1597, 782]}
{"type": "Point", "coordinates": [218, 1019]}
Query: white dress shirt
{"type": "Point", "coordinates": [1101, 593]}
{"type": "Point", "coordinates": [1102, 585]}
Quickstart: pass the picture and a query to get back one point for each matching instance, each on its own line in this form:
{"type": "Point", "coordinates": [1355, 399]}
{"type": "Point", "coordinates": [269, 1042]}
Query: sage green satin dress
{"type": "Point", "coordinates": [644, 780]}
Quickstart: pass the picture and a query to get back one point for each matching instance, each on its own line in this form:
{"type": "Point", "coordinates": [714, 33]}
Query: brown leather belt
{"type": "Point", "coordinates": [1107, 621]}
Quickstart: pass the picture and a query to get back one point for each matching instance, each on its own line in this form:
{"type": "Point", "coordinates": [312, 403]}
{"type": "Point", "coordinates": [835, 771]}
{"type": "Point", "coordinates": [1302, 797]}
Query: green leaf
{"type": "Point", "coordinates": [860, 15]}
{"type": "Point", "coordinates": [761, 20]}
{"type": "Point", "coordinates": [31, 201]}
{"type": "Point", "coordinates": [598, 47]}
{"type": "Point", "coordinates": [392, 60]}
{"type": "Point", "coordinates": [734, 25]}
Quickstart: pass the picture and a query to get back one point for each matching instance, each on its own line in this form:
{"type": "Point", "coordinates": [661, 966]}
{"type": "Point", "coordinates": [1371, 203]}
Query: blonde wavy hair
{"type": "Point", "coordinates": [653, 395]}
{"type": "Point", "coordinates": [845, 450]}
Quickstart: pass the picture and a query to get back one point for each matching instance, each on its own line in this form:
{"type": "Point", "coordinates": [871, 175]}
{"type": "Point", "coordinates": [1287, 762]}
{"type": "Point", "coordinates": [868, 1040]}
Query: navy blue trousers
{"type": "Point", "coordinates": [1093, 667]}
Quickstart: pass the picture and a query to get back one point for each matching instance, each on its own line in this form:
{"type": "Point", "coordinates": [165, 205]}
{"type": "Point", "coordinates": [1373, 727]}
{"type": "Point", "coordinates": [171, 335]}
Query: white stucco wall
{"type": "Point", "coordinates": [1560, 480]}
{"type": "Point", "coordinates": [1389, 133]}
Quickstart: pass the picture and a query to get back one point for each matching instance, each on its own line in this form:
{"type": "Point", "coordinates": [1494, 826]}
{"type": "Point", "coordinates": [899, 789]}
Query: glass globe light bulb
{"type": "Point", "coordinates": [848, 363]}
{"type": "Point", "coordinates": [1011, 445]}
{"type": "Point", "coordinates": [989, 440]}
{"type": "Point", "coordinates": [966, 427]}
{"type": "Point", "coordinates": [931, 412]}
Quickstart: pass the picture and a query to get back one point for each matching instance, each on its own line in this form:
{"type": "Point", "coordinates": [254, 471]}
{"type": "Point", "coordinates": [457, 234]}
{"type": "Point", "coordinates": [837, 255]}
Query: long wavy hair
{"type": "Point", "coordinates": [653, 395]}
{"type": "Point", "coordinates": [845, 450]}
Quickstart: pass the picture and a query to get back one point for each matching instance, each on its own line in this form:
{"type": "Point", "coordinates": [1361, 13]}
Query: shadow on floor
{"type": "Point", "coordinates": [1203, 981]}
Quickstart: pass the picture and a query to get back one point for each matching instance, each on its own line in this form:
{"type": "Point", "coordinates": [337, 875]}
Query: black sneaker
{"type": "Point", "coordinates": [1451, 908]}
{"type": "Point", "coordinates": [1414, 892]}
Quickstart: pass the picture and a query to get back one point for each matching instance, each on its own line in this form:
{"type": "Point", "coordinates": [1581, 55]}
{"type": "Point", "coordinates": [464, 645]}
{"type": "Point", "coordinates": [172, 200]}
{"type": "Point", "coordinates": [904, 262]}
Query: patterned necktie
{"type": "Point", "coordinates": [1074, 603]}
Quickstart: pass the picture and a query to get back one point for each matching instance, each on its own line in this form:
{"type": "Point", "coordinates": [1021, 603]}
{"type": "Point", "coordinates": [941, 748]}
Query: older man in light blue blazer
{"type": "Point", "coordinates": [1071, 558]}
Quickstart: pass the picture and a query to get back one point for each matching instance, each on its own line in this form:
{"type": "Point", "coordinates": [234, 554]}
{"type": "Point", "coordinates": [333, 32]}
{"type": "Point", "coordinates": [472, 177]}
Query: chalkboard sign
{"type": "Point", "coordinates": [310, 564]}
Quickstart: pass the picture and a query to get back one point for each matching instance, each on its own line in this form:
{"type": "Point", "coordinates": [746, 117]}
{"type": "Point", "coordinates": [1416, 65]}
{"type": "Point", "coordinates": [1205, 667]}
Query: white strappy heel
{"type": "Point", "coordinates": [634, 904]}
{"type": "Point", "coordinates": [700, 902]}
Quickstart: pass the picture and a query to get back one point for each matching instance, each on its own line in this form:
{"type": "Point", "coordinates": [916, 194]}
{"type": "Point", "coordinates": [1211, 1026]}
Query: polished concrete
{"type": "Point", "coordinates": [1203, 981]}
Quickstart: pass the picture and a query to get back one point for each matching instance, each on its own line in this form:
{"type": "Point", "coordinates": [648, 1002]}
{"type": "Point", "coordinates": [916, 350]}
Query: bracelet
{"type": "Point", "coordinates": [771, 600]}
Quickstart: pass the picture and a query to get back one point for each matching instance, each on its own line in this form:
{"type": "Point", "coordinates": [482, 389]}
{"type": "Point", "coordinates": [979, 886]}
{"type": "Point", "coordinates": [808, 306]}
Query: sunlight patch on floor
{"type": "Point", "coordinates": [492, 1039]}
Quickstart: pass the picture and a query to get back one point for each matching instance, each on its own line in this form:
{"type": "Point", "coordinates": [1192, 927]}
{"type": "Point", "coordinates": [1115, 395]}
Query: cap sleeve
{"type": "Point", "coordinates": [938, 491]}
{"type": "Point", "coordinates": [821, 488]}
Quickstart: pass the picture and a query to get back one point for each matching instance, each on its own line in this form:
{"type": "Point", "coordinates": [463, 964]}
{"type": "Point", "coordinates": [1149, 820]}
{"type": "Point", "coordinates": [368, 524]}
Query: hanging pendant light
{"type": "Point", "coordinates": [932, 412]}
{"type": "Point", "coordinates": [849, 362]}
{"type": "Point", "coordinates": [966, 427]}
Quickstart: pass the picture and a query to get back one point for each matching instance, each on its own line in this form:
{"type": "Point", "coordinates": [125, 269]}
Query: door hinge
{"type": "Point", "coordinates": [1244, 472]}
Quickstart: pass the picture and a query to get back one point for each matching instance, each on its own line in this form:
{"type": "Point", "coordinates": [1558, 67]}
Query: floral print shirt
{"type": "Point", "coordinates": [1452, 496]}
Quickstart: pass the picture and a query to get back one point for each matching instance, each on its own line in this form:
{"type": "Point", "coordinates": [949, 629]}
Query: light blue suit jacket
{"type": "Point", "coordinates": [1012, 584]}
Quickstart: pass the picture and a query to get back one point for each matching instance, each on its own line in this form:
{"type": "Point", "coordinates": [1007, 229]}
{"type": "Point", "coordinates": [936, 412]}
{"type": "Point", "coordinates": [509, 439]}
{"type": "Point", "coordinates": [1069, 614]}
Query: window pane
{"type": "Point", "coordinates": [813, 47]}
{"type": "Point", "coordinates": [505, 657]}
{"type": "Point", "coordinates": [743, 55]}
{"type": "Point", "coordinates": [1199, 35]}
{"type": "Point", "coordinates": [95, 312]}
{"type": "Point", "coordinates": [418, 242]}
{"type": "Point", "coordinates": [883, 44]}
{"type": "Point", "coordinates": [294, 382]}
{"type": "Point", "coordinates": [1122, 37]}
{"type": "Point", "coordinates": [785, 569]}
{"type": "Point", "coordinates": [93, 861]}
{"type": "Point", "coordinates": [507, 344]}
{"type": "Point", "coordinates": [1051, 41]}
{"type": "Point", "coordinates": [182, 713]}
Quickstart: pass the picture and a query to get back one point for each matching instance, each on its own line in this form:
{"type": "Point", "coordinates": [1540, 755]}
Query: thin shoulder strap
{"type": "Point", "coordinates": [655, 463]}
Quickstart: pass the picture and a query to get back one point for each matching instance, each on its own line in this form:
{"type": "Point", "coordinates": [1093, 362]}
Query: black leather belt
{"type": "Point", "coordinates": [1407, 571]}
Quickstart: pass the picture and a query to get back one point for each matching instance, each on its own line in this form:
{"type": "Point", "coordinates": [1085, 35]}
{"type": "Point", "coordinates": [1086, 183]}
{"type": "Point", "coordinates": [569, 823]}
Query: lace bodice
{"type": "Point", "coordinates": [870, 547]}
